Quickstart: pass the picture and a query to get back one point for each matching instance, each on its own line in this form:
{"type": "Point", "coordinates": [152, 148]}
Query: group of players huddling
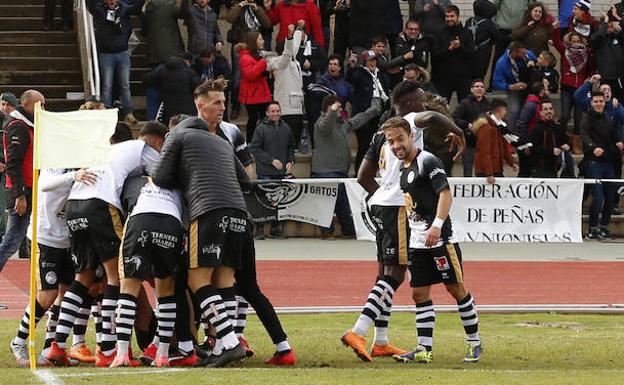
{"type": "Point", "coordinates": [187, 231]}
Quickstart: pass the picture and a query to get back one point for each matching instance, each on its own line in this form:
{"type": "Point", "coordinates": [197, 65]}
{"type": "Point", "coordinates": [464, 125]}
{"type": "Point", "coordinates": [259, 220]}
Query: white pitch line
{"type": "Point", "coordinates": [48, 377]}
{"type": "Point", "coordinates": [121, 372]}
{"type": "Point", "coordinates": [516, 308]}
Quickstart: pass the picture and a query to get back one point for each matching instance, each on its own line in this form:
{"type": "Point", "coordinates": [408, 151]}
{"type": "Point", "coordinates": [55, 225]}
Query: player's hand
{"type": "Point", "coordinates": [289, 167]}
{"type": "Point", "coordinates": [20, 205]}
{"type": "Point", "coordinates": [85, 176]}
{"type": "Point", "coordinates": [598, 152]}
{"type": "Point", "coordinates": [491, 179]}
{"type": "Point", "coordinates": [432, 236]}
{"type": "Point", "coordinates": [277, 164]}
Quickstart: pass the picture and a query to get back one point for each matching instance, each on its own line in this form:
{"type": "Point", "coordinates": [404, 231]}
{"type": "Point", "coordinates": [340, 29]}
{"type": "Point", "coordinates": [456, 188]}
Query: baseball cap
{"type": "Point", "coordinates": [9, 98]}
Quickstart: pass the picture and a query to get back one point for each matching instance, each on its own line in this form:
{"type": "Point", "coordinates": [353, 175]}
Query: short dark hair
{"type": "Point", "coordinates": [452, 8]}
{"type": "Point", "coordinates": [154, 128]}
{"type": "Point", "coordinates": [477, 80]}
{"type": "Point", "coordinates": [497, 104]}
{"type": "Point", "coordinates": [328, 100]}
{"type": "Point", "coordinates": [516, 45]}
{"type": "Point", "coordinates": [404, 88]}
{"type": "Point", "coordinates": [272, 103]}
{"type": "Point", "coordinates": [379, 39]}
{"type": "Point", "coordinates": [176, 119]}
{"type": "Point", "coordinates": [122, 133]}
{"type": "Point", "coordinates": [536, 87]}
{"type": "Point", "coordinates": [412, 20]}
{"type": "Point", "coordinates": [396, 122]}
{"type": "Point", "coordinates": [210, 85]}
{"type": "Point", "coordinates": [411, 67]}
{"type": "Point", "coordinates": [552, 60]}
{"type": "Point", "coordinates": [334, 57]}
{"type": "Point", "coordinates": [597, 93]}
{"type": "Point", "coordinates": [547, 101]}
{"type": "Point", "coordinates": [206, 52]}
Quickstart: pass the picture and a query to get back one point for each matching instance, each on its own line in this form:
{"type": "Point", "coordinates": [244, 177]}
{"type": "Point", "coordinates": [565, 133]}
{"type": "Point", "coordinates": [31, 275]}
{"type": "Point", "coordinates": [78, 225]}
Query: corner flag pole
{"type": "Point", "coordinates": [34, 258]}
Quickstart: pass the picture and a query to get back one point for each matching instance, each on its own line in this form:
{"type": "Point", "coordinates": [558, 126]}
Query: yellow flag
{"type": "Point", "coordinates": [73, 139]}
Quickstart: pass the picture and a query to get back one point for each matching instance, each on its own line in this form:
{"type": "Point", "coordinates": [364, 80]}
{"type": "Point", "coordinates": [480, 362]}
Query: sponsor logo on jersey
{"type": "Point", "coordinates": [441, 263]}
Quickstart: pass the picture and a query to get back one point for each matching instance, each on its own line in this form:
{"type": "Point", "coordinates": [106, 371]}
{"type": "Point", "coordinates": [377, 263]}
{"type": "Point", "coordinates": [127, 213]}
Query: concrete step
{"type": "Point", "coordinates": [40, 49]}
{"type": "Point", "coordinates": [33, 37]}
{"type": "Point", "coordinates": [57, 105]}
{"type": "Point", "coordinates": [19, 3]}
{"type": "Point", "coordinates": [25, 10]}
{"type": "Point", "coordinates": [49, 91]}
{"type": "Point", "coordinates": [21, 23]}
{"type": "Point", "coordinates": [39, 63]}
{"type": "Point", "coordinates": [68, 77]}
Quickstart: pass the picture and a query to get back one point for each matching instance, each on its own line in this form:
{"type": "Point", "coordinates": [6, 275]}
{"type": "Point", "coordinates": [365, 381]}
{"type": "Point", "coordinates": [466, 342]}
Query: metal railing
{"type": "Point", "coordinates": [93, 68]}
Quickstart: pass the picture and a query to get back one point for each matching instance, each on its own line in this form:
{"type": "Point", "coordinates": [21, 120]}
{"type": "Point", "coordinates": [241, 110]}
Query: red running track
{"type": "Point", "coordinates": [347, 283]}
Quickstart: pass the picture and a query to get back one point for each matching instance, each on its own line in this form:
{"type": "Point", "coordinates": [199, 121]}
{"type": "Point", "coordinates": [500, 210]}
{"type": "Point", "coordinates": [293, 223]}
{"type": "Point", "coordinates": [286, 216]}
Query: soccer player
{"type": "Point", "coordinates": [210, 176]}
{"type": "Point", "coordinates": [55, 271]}
{"type": "Point", "coordinates": [387, 208]}
{"type": "Point", "coordinates": [433, 256]}
{"type": "Point", "coordinates": [94, 219]}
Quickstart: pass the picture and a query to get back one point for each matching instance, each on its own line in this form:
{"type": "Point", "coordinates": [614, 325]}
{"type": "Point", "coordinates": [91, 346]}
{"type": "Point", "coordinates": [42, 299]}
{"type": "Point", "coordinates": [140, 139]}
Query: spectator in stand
{"type": "Point", "coordinates": [510, 75]}
{"type": "Point", "coordinates": [430, 13]}
{"type": "Point", "coordinates": [92, 103]}
{"type": "Point", "coordinates": [254, 90]}
{"type": "Point", "coordinates": [550, 143]}
{"type": "Point", "coordinates": [471, 108]}
{"type": "Point", "coordinates": [176, 81]}
{"type": "Point", "coordinates": [452, 57]}
{"type": "Point", "coordinates": [288, 89]}
{"type": "Point", "coordinates": [575, 68]}
{"type": "Point", "coordinates": [372, 18]}
{"type": "Point", "coordinates": [19, 168]}
{"type": "Point", "coordinates": [581, 20]}
{"type": "Point", "coordinates": [290, 12]}
{"type": "Point", "coordinates": [535, 29]}
{"type": "Point", "coordinates": [159, 25]}
{"type": "Point", "coordinates": [412, 47]}
{"type": "Point", "coordinates": [273, 147]}
{"type": "Point", "coordinates": [368, 89]}
{"type": "Point", "coordinates": [601, 145]}
{"type": "Point", "coordinates": [544, 69]}
{"type": "Point", "coordinates": [245, 16]}
{"type": "Point", "coordinates": [342, 19]}
{"type": "Point", "coordinates": [492, 150]}
{"type": "Point", "coordinates": [379, 47]}
{"type": "Point", "coordinates": [8, 104]}
{"type": "Point", "coordinates": [607, 44]}
{"type": "Point", "coordinates": [201, 22]}
{"type": "Point", "coordinates": [613, 107]}
{"type": "Point", "coordinates": [113, 27]}
{"type": "Point", "coordinates": [332, 159]}
{"type": "Point", "coordinates": [508, 17]}
{"type": "Point", "coordinates": [527, 119]}
{"type": "Point", "coordinates": [209, 65]}
{"type": "Point", "coordinates": [67, 15]}
{"type": "Point", "coordinates": [334, 79]}
{"type": "Point", "coordinates": [484, 34]}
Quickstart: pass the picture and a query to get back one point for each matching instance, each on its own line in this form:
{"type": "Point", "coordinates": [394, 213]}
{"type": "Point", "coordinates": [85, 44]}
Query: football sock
{"type": "Point", "coordinates": [213, 311]}
{"type": "Point", "coordinates": [53, 315]}
{"type": "Point", "coordinates": [73, 299]}
{"type": "Point", "coordinates": [166, 323]}
{"type": "Point", "coordinates": [241, 316]}
{"type": "Point", "coordinates": [381, 322]}
{"type": "Point", "coordinates": [23, 330]}
{"type": "Point", "coordinates": [80, 325]}
{"type": "Point", "coordinates": [109, 304]}
{"type": "Point", "coordinates": [470, 319]}
{"type": "Point", "coordinates": [425, 322]}
{"type": "Point", "coordinates": [124, 322]}
{"type": "Point", "coordinates": [375, 304]}
{"type": "Point", "coordinates": [97, 318]}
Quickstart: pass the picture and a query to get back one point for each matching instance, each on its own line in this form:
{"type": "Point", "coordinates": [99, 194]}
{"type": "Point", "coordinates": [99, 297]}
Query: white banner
{"type": "Point", "coordinates": [364, 226]}
{"type": "Point", "coordinates": [515, 210]}
{"type": "Point", "coordinates": [511, 211]}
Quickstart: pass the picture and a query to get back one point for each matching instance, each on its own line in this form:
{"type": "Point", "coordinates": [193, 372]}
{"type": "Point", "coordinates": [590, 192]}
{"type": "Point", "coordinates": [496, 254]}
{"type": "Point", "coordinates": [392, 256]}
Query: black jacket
{"type": "Point", "coordinates": [598, 130]}
{"type": "Point", "coordinates": [486, 34]}
{"type": "Point", "coordinates": [362, 82]}
{"type": "Point", "coordinates": [176, 82]}
{"type": "Point", "coordinates": [608, 52]}
{"type": "Point", "coordinates": [272, 142]}
{"type": "Point", "coordinates": [546, 136]}
{"type": "Point", "coordinates": [204, 167]}
{"type": "Point", "coordinates": [17, 133]}
{"type": "Point", "coordinates": [421, 46]}
{"type": "Point", "coordinates": [467, 112]}
{"type": "Point", "coordinates": [219, 67]}
{"type": "Point", "coordinates": [372, 18]}
{"type": "Point", "coordinates": [456, 63]}
{"type": "Point", "coordinates": [112, 35]}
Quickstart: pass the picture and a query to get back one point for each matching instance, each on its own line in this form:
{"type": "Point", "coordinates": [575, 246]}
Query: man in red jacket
{"type": "Point", "coordinates": [287, 12]}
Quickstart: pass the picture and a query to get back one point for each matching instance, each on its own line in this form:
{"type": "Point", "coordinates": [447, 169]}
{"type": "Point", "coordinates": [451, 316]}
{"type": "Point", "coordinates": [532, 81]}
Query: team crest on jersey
{"type": "Point", "coordinates": [279, 195]}
{"type": "Point", "coordinates": [143, 238]}
{"type": "Point", "coordinates": [411, 176]}
{"type": "Point", "coordinates": [50, 278]}
{"type": "Point", "coordinates": [442, 263]}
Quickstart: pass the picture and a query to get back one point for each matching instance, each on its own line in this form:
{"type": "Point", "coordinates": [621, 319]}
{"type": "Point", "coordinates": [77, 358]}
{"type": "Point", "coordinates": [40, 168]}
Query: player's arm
{"type": "Point", "coordinates": [366, 176]}
{"type": "Point", "coordinates": [436, 120]}
{"type": "Point", "coordinates": [444, 206]}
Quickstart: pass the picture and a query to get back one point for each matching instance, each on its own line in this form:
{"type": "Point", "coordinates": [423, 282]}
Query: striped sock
{"type": "Point", "coordinates": [381, 322]}
{"type": "Point", "coordinates": [241, 316]}
{"type": "Point", "coordinates": [96, 313]}
{"type": "Point", "coordinates": [124, 322]}
{"type": "Point", "coordinates": [23, 330]}
{"type": "Point", "coordinates": [228, 295]}
{"type": "Point", "coordinates": [213, 310]}
{"type": "Point", "coordinates": [166, 313]}
{"type": "Point", "coordinates": [53, 315]}
{"type": "Point", "coordinates": [425, 322]}
{"type": "Point", "coordinates": [80, 326]}
{"type": "Point", "coordinates": [375, 304]}
{"type": "Point", "coordinates": [72, 302]}
{"type": "Point", "coordinates": [109, 305]}
{"type": "Point", "coordinates": [470, 319]}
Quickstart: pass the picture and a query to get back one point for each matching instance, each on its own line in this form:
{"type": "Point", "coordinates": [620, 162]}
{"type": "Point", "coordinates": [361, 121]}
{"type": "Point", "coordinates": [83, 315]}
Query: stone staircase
{"type": "Point", "coordinates": [30, 57]}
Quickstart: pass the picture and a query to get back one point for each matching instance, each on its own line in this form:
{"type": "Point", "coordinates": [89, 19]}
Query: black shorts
{"type": "Point", "coordinates": [392, 234]}
{"type": "Point", "coordinates": [54, 267]}
{"type": "Point", "coordinates": [152, 246]}
{"type": "Point", "coordinates": [217, 238]}
{"type": "Point", "coordinates": [440, 264]}
{"type": "Point", "coordinates": [95, 230]}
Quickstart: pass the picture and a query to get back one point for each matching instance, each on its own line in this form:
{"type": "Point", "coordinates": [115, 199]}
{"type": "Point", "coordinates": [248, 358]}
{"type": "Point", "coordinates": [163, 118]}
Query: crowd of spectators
{"type": "Point", "coordinates": [292, 67]}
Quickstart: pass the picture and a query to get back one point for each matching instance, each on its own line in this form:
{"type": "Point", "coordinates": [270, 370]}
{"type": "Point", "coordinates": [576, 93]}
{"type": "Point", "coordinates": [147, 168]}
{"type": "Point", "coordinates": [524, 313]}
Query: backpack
{"type": "Point", "coordinates": [473, 26]}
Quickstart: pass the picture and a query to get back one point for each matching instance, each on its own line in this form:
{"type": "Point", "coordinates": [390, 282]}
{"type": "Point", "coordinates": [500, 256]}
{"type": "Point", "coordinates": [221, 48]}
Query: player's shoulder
{"type": "Point", "coordinates": [428, 163]}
